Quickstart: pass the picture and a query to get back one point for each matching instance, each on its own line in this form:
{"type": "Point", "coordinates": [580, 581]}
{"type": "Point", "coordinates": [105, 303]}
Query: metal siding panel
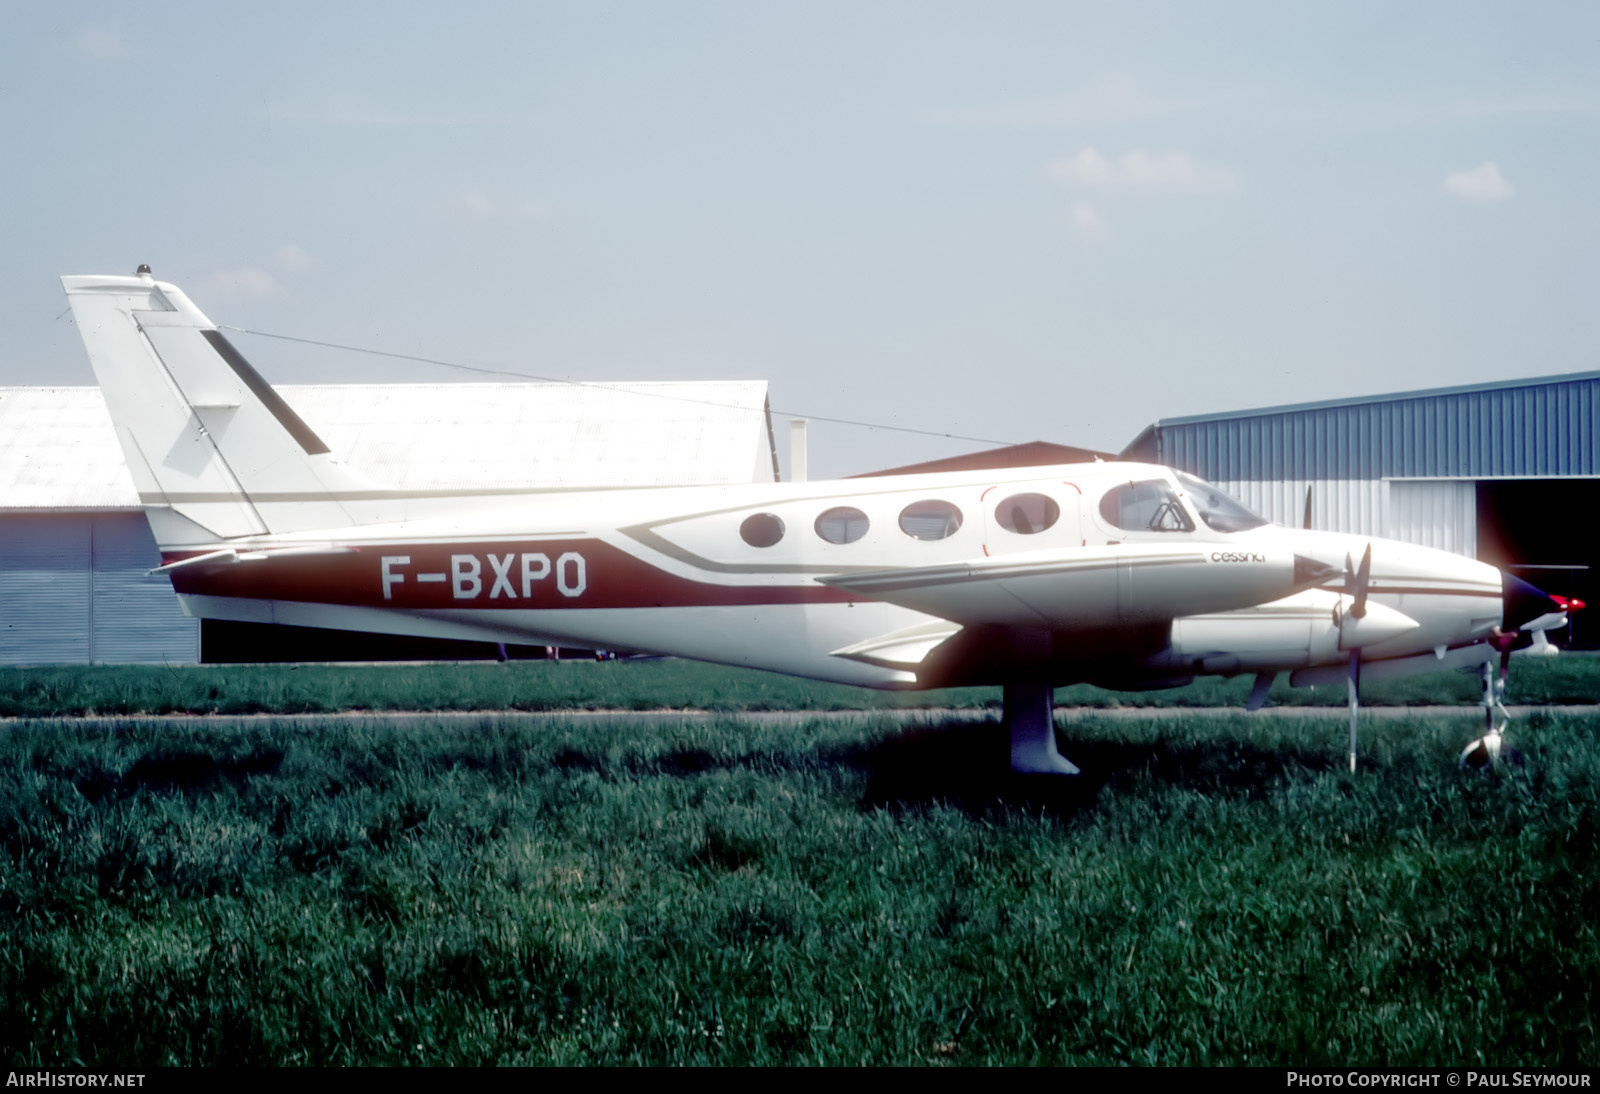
{"type": "Point", "coordinates": [1520, 436]}
{"type": "Point", "coordinates": [1406, 462]}
{"type": "Point", "coordinates": [1579, 432]}
{"type": "Point", "coordinates": [44, 590]}
{"type": "Point", "coordinates": [1337, 505]}
{"type": "Point", "coordinates": [1481, 457]}
{"type": "Point", "coordinates": [1367, 449]}
{"type": "Point", "coordinates": [1583, 429]}
{"type": "Point", "coordinates": [1349, 434]}
{"type": "Point", "coordinates": [1360, 442]}
{"type": "Point", "coordinates": [1486, 454]}
{"type": "Point", "coordinates": [1530, 436]}
{"type": "Point", "coordinates": [1418, 437]}
{"type": "Point", "coordinates": [1542, 429]}
{"type": "Point", "coordinates": [1460, 453]}
{"type": "Point", "coordinates": [1585, 426]}
{"type": "Point", "coordinates": [1423, 458]}
{"type": "Point", "coordinates": [1331, 445]}
{"type": "Point", "coordinates": [1352, 443]}
{"type": "Point", "coordinates": [1544, 436]}
{"type": "Point", "coordinates": [1512, 413]}
{"type": "Point", "coordinates": [137, 618]}
{"type": "Point", "coordinates": [1571, 443]}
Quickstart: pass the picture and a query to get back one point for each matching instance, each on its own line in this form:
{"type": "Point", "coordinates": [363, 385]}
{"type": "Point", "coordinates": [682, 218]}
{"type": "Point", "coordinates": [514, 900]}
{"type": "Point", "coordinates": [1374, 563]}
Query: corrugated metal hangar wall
{"type": "Point", "coordinates": [76, 590]}
{"type": "Point", "coordinates": [76, 551]}
{"type": "Point", "coordinates": [1504, 472]}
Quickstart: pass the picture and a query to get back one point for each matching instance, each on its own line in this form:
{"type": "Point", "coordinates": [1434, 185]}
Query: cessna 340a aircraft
{"type": "Point", "coordinates": [1120, 574]}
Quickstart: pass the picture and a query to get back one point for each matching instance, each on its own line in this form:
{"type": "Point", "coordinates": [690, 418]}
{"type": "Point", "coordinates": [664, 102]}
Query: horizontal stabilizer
{"type": "Point", "coordinates": [232, 555]}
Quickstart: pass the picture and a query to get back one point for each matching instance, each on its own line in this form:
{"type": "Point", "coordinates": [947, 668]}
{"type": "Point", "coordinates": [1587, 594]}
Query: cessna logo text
{"type": "Point", "coordinates": [1237, 556]}
{"type": "Point", "coordinates": [505, 577]}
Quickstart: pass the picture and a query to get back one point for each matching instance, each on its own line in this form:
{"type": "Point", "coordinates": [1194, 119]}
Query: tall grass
{"type": "Point", "coordinates": [653, 685]}
{"type": "Point", "coordinates": [1217, 890]}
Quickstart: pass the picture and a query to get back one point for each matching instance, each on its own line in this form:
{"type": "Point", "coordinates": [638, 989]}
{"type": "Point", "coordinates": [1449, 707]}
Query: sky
{"type": "Point", "coordinates": [996, 222]}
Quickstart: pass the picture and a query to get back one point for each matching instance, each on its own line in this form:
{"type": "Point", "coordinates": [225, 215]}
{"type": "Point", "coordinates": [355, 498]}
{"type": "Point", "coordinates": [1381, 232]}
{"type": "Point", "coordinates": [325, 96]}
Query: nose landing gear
{"type": "Point", "coordinates": [1490, 750]}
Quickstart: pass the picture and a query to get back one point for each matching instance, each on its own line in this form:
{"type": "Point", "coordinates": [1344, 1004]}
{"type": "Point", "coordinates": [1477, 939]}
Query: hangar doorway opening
{"type": "Point", "coordinates": [1542, 531]}
{"type": "Point", "coordinates": [226, 642]}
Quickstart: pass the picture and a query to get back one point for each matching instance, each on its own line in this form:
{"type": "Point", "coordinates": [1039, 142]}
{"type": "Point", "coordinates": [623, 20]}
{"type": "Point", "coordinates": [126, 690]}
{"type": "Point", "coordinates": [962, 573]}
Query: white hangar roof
{"type": "Point", "coordinates": [58, 449]}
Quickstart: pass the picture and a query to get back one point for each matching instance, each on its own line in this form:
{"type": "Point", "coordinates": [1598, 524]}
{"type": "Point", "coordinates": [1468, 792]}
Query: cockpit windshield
{"type": "Point", "coordinates": [1220, 512]}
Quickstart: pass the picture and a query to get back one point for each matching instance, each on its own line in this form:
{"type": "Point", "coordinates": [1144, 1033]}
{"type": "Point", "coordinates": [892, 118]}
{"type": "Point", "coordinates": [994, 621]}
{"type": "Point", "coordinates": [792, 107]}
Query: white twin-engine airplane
{"type": "Point", "coordinates": [1120, 574]}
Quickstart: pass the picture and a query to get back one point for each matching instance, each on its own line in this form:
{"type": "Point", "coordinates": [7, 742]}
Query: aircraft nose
{"type": "Point", "coordinates": [1521, 603]}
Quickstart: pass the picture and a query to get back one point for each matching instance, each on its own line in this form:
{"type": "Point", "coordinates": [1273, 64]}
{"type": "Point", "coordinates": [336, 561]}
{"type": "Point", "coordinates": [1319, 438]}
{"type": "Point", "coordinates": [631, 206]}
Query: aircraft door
{"type": "Point", "coordinates": [1137, 511]}
{"type": "Point", "coordinates": [1031, 516]}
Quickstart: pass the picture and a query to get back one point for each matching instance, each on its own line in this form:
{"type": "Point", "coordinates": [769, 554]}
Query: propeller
{"type": "Point", "coordinates": [1356, 582]}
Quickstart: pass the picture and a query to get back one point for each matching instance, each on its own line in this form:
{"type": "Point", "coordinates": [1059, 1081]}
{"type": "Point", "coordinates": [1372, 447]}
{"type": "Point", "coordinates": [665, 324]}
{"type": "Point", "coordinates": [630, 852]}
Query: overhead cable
{"type": "Point", "coordinates": [582, 383]}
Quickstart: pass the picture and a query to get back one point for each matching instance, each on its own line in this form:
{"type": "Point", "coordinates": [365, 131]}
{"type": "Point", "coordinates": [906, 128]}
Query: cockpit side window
{"type": "Point", "coordinates": [1149, 506]}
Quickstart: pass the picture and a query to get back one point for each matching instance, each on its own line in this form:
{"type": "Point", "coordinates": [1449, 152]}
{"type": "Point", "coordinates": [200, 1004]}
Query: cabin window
{"type": "Point", "coordinates": [1027, 514]}
{"type": "Point", "coordinates": [931, 519]}
{"type": "Point", "coordinates": [761, 530]}
{"type": "Point", "coordinates": [1145, 507]}
{"type": "Point", "coordinates": [844, 524]}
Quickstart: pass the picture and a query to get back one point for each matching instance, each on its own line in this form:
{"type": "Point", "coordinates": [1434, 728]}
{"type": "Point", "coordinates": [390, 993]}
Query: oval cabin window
{"type": "Point", "coordinates": [761, 530]}
{"type": "Point", "coordinates": [931, 519]}
{"type": "Point", "coordinates": [1027, 514]}
{"type": "Point", "coordinates": [844, 524]}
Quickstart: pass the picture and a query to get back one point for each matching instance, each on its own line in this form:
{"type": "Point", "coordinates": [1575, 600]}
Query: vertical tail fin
{"type": "Point", "coordinates": [215, 453]}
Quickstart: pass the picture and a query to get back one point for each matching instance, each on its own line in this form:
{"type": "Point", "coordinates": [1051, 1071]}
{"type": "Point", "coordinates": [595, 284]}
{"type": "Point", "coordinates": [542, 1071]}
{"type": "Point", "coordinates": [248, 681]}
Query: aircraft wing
{"type": "Point", "coordinates": [1091, 588]}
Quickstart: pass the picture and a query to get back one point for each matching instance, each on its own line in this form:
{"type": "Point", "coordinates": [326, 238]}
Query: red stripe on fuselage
{"type": "Point", "coordinates": [545, 574]}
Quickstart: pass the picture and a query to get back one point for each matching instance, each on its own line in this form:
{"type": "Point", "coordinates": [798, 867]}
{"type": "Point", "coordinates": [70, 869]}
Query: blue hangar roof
{"type": "Point", "coordinates": [1510, 429]}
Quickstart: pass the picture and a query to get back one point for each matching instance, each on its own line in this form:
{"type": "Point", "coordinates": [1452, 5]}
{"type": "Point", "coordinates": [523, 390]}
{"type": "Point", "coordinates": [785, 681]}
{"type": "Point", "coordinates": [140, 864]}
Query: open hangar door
{"type": "Point", "coordinates": [1544, 531]}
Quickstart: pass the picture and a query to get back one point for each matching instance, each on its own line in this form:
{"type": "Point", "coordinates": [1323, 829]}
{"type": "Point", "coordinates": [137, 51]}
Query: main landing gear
{"type": "Point", "coordinates": [1030, 715]}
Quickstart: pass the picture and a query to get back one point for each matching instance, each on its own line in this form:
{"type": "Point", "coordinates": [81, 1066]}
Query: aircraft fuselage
{"type": "Point", "coordinates": [1059, 580]}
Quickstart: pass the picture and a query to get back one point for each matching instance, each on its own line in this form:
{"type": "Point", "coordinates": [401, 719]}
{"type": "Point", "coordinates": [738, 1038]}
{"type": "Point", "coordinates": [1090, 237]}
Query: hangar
{"type": "Point", "coordinates": [75, 549]}
{"type": "Point", "coordinates": [1505, 472]}
{"type": "Point", "coordinates": [1508, 472]}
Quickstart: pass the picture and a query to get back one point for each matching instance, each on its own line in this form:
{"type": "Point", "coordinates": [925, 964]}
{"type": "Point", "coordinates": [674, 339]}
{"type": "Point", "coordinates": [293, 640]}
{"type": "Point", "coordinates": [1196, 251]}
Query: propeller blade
{"type": "Point", "coordinates": [1356, 581]}
{"type": "Point", "coordinates": [1307, 523]}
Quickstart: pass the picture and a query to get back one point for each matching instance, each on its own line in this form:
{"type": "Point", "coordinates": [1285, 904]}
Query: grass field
{"type": "Point", "coordinates": [655, 685]}
{"type": "Point", "coordinates": [833, 891]}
